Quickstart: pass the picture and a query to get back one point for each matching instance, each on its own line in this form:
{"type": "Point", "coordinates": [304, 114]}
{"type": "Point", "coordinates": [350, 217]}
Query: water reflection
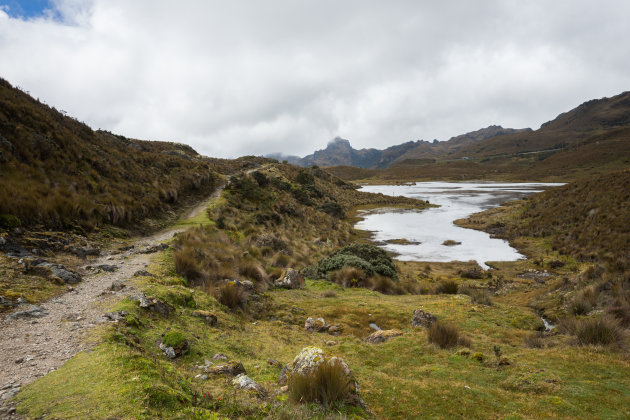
{"type": "Point", "coordinates": [427, 230]}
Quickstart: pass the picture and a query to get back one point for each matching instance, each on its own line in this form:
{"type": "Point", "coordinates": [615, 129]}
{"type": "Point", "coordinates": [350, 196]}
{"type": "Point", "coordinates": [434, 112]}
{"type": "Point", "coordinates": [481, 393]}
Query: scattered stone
{"type": "Point", "coordinates": [72, 317]}
{"type": "Point", "coordinates": [284, 375]}
{"type": "Point", "coordinates": [117, 286]}
{"type": "Point", "coordinates": [243, 381]}
{"type": "Point", "coordinates": [152, 249]}
{"type": "Point", "coordinates": [219, 356]}
{"type": "Point", "coordinates": [230, 368]}
{"type": "Point", "coordinates": [334, 330]}
{"type": "Point", "coordinates": [311, 358]}
{"type": "Point", "coordinates": [381, 336]}
{"type": "Point", "coordinates": [422, 318]}
{"type": "Point", "coordinates": [274, 362]}
{"type": "Point", "coordinates": [202, 377]}
{"type": "Point", "coordinates": [291, 279]}
{"type": "Point", "coordinates": [143, 273]}
{"type": "Point", "coordinates": [316, 325]}
{"type": "Point", "coordinates": [32, 311]}
{"type": "Point", "coordinates": [110, 268]}
{"type": "Point", "coordinates": [153, 304]}
{"type": "Point", "coordinates": [116, 316]}
{"type": "Point", "coordinates": [126, 248]}
{"type": "Point", "coordinates": [208, 317]}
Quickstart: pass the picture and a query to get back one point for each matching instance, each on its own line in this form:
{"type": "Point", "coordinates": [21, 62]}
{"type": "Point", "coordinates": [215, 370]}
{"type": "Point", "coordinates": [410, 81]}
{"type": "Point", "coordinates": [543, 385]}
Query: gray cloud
{"type": "Point", "coordinates": [238, 77]}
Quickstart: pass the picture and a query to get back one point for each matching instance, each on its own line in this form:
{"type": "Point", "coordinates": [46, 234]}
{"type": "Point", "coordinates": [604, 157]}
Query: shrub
{"type": "Point", "coordinates": [186, 265]}
{"type": "Point", "coordinates": [448, 287]}
{"type": "Point", "coordinates": [9, 221]}
{"type": "Point", "coordinates": [603, 331]}
{"type": "Point", "coordinates": [535, 340]}
{"type": "Point", "coordinates": [305, 178]}
{"type": "Point", "coordinates": [327, 384]}
{"type": "Point", "coordinates": [371, 259]}
{"type": "Point", "coordinates": [443, 335]}
{"type": "Point", "coordinates": [252, 271]}
{"type": "Point", "coordinates": [230, 295]}
{"type": "Point", "coordinates": [473, 273]}
{"type": "Point", "coordinates": [333, 209]}
{"type": "Point", "coordinates": [580, 306]}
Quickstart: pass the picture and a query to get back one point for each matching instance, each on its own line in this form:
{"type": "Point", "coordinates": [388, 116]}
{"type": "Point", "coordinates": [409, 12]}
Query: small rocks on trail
{"type": "Point", "coordinates": [117, 285]}
{"type": "Point", "coordinates": [422, 318]}
{"type": "Point", "coordinates": [143, 273]}
{"type": "Point", "coordinates": [31, 311]}
{"type": "Point", "coordinates": [243, 381]}
{"type": "Point", "coordinates": [381, 336]}
{"type": "Point", "coordinates": [107, 267]}
{"type": "Point", "coordinates": [291, 279]}
{"type": "Point", "coordinates": [153, 248]}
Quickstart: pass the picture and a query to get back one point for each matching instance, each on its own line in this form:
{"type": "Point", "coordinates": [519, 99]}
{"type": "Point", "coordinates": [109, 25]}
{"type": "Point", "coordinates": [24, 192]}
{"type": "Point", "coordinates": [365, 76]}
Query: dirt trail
{"type": "Point", "coordinates": [33, 347]}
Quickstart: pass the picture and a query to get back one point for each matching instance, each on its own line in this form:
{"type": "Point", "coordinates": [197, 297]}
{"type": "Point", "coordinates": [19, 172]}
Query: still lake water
{"type": "Point", "coordinates": [429, 228]}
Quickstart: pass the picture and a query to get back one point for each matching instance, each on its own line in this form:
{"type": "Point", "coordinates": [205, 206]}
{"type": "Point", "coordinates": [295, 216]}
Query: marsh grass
{"type": "Point", "coordinates": [327, 384]}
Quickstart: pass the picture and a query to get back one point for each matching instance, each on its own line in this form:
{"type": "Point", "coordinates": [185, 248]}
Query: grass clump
{"type": "Point", "coordinates": [328, 384]}
{"type": "Point", "coordinates": [478, 296]}
{"type": "Point", "coordinates": [230, 295]}
{"type": "Point", "coordinates": [173, 339]}
{"type": "Point", "coordinates": [598, 331]}
{"type": "Point", "coordinates": [443, 335]}
{"type": "Point", "coordinates": [447, 287]}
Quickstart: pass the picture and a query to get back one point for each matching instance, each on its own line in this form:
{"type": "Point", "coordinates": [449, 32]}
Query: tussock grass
{"type": "Point", "coordinates": [327, 384]}
{"type": "Point", "coordinates": [443, 335]}
{"type": "Point", "coordinates": [448, 287]}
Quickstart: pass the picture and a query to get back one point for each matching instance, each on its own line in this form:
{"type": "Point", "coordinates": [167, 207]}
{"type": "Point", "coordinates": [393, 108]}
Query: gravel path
{"type": "Point", "coordinates": [33, 347]}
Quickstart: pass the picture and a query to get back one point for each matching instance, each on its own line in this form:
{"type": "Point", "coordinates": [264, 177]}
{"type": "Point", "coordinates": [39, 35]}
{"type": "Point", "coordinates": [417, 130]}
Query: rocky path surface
{"type": "Point", "coordinates": [41, 340]}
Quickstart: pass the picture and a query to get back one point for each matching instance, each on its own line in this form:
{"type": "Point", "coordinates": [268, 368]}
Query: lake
{"type": "Point", "coordinates": [428, 229]}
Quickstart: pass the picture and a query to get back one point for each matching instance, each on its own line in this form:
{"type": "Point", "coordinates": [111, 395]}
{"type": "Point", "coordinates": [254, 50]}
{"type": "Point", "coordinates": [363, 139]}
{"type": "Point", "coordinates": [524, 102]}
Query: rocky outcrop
{"type": "Point", "coordinates": [381, 336]}
{"type": "Point", "coordinates": [422, 318]}
{"type": "Point", "coordinates": [316, 325]}
{"type": "Point", "coordinates": [208, 317]}
{"type": "Point", "coordinates": [153, 304]}
{"type": "Point", "coordinates": [242, 381]}
{"type": "Point", "coordinates": [55, 272]}
{"type": "Point", "coordinates": [291, 279]}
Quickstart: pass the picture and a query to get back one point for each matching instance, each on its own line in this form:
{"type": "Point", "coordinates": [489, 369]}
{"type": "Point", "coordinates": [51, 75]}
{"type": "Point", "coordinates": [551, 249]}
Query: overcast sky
{"type": "Point", "coordinates": [252, 77]}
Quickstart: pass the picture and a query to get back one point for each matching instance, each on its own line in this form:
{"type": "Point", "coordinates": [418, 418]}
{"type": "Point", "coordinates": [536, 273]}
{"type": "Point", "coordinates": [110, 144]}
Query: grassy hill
{"type": "Point", "coordinates": [57, 172]}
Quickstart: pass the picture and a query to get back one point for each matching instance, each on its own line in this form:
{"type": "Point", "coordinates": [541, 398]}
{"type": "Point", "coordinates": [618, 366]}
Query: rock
{"type": "Point", "coordinates": [422, 318]}
{"type": "Point", "coordinates": [108, 267]}
{"type": "Point", "coordinates": [44, 268]}
{"type": "Point", "coordinates": [209, 318]}
{"type": "Point", "coordinates": [174, 344]}
{"type": "Point", "coordinates": [374, 326]}
{"type": "Point", "coordinates": [152, 249]}
{"type": "Point", "coordinates": [243, 381]}
{"type": "Point", "coordinates": [292, 279]}
{"type": "Point", "coordinates": [117, 286]}
{"type": "Point", "coordinates": [116, 316]}
{"type": "Point", "coordinates": [153, 304]}
{"type": "Point", "coordinates": [144, 273]}
{"type": "Point", "coordinates": [316, 325]}
{"type": "Point", "coordinates": [334, 330]}
{"type": "Point", "coordinates": [310, 359]}
{"type": "Point", "coordinates": [32, 311]}
{"type": "Point", "coordinates": [6, 302]}
{"type": "Point", "coordinates": [83, 252]}
{"type": "Point", "coordinates": [230, 368]}
{"type": "Point", "coordinates": [2, 241]}
{"type": "Point", "coordinates": [282, 379]}
{"type": "Point", "coordinates": [219, 356]}
{"type": "Point", "coordinates": [274, 362]}
{"type": "Point", "coordinates": [381, 336]}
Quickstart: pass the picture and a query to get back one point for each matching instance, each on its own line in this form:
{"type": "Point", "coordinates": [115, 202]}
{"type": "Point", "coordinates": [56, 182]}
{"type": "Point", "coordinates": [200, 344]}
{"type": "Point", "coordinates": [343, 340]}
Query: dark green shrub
{"type": "Point", "coordinates": [333, 209]}
{"type": "Point", "coordinates": [327, 384]}
{"type": "Point", "coordinates": [260, 178]}
{"type": "Point", "coordinates": [378, 261]}
{"type": "Point", "coordinates": [443, 335]}
{"type": "Point", "coordinates": [448, 287]}
{"type": "Point", "coordinates": [337, 262]}
{"type": "Point", "coordinates": [9, 221]}
{"type": "Point", "coordinates": [305, 178]}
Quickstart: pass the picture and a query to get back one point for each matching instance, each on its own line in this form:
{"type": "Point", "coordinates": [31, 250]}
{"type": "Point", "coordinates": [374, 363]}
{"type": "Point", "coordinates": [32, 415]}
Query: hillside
{"type": "Point", "coordinates": [57, 172]}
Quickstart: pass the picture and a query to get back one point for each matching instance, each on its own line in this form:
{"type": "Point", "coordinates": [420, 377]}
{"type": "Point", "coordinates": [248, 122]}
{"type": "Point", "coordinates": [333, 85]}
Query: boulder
{"type": "Point", "coordinates": [209, 318]}
{"type": "Point", "coordinates": [422, 318]}
{"type": "Point", "coordinates": [334, 330]}
{"type": "Point", "coordinates": [310, 359]}
{"type": "Point", "coordinates": [152, 304]}
{"type": "Point", "coordinates": [230, 369]}
{"type": "Point", "coordinates": [381, 336]}
{"type": "Point", "coordinates": [108, 267]}
{"type": "Point", "coordinates": [316, 325]}
{"type": "Point", "coordinates": [291, 279]}
{"type": "Point", "coordinates": [31, 311]}
{"type": "Point", "coordinates": [243, 381]}
{"type": "Point", "coordinates": [117, 286]}
{"type": "Point", "coordinates": [47, 269]}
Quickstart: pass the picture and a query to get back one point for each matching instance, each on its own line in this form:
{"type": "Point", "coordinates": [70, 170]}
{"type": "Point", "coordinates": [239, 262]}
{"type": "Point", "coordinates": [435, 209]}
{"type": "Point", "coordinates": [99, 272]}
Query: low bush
{"type": "Point", "coordinates": [369, 258]}
{"type": "Point", "coordinates": [9, 221]}
{"type": "Point", "coordinates": [448, 287]}
{"type": "Point", "coordinates": [473, 273]}
{"type": "Point", "coordinates": [598, 331]}
{"type": "Point", "coordinates": [443, 335]}
{"type": "Point", "coordinates": [230, 295]}
{"type": "Point", "coordinates": [327, 384]}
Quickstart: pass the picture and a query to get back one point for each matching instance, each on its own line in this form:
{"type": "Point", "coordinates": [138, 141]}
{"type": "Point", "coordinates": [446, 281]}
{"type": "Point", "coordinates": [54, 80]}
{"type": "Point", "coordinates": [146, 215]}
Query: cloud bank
{"type": "Point", "coordinates": [241, 77]}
